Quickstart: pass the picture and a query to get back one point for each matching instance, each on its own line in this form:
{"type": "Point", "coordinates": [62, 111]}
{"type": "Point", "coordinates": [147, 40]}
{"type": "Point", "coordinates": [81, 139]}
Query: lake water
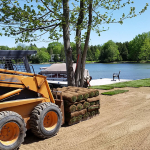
{"type": "Point", "coordinates": [132, 71]}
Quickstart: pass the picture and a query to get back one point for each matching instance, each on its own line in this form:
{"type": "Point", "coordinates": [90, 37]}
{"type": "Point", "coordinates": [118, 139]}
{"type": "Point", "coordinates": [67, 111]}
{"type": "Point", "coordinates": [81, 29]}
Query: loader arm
{"type": "Point", "coordinates": [33, 82]}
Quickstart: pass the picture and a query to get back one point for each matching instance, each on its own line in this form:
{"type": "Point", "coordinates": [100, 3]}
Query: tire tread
{"type": "Point", "coordinates": [35, 118]}
{"type": "Point", "coordinates": [4, 114]}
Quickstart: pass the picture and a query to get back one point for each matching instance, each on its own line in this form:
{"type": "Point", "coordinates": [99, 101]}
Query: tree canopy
{"type": "Point", "coordinates": [136, 44]}
{"type": "Point", "coordinates": [54, 47]}
{"type": "Point", "coordinates": [145, 50]}
{"type": "Point", "coordinates": [23, 20]}
{"type": "Point", "coordinates": [110, 52]}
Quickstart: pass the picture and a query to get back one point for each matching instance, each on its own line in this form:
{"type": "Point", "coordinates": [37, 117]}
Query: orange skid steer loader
{"type": "Point", "coordinates": [26, 101]}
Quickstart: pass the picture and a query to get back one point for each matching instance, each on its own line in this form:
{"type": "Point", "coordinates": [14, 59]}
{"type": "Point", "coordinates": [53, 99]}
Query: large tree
{"type": "Point", "coordinates": [136, 44]}
{"type": "Point", "coordinates": [55, 17]}
{"type": "Point", "coordinates": [4, 47]}
{"type": "Point", "coordinates": [123, 50]}
{"type": "Point", "coordinates": [109, 52]}
{"type": "Point", "coordinates": [145, 50]}
{"type": "Point", "coordinates": [54, 48]}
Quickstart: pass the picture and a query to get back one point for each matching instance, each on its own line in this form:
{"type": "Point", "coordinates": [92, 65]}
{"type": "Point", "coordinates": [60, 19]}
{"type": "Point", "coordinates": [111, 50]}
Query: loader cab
{"type": "Point", "coordinates": [16, 60]}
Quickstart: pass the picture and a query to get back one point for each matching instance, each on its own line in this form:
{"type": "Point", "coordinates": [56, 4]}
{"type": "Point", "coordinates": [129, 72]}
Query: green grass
{"type": "Point", "coordinates": [102, 87]}
{"type": "Point", "coordinates": [135, 84]}
{"type": "Point", "coordinates": [89, 62]}
{"type": "Point", "coordinates": [114, 92]}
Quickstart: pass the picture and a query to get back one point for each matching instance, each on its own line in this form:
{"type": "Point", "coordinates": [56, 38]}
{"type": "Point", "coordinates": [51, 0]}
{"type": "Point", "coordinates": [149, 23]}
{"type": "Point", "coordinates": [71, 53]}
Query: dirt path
{"type": "Point", "coordinates": [124, 124]}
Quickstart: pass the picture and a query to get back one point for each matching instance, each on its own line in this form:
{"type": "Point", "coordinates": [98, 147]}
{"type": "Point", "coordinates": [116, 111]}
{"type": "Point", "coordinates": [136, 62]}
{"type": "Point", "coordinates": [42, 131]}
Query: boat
{"type": "Point", "coordinates": [57, 74]}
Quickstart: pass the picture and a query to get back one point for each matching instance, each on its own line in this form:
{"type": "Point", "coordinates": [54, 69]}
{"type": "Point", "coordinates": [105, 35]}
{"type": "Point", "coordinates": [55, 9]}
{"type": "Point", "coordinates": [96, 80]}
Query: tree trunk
{"type": "Point", "coordinates": [78, 44]}
{"type": "Point", "coordinates": [67, 48]}
{"type": "Point", "coordinates": [86, 42]}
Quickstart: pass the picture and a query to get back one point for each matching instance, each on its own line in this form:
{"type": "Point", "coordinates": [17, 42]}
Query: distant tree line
{"type": "Point", "coordinates": [137, 49]}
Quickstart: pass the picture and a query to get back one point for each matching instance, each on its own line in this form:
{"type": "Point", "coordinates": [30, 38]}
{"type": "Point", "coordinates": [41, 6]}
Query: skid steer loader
{"type": "Point", "coordinates": [26, 101]}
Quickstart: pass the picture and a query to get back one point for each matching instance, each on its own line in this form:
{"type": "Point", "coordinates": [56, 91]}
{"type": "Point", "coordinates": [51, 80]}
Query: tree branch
{"type": "Point", "coordinates": [44, 15]}
{"type": "Point", "coordinates": [34, 29]}
{"type": "Point", "coordinates": [47, 7]}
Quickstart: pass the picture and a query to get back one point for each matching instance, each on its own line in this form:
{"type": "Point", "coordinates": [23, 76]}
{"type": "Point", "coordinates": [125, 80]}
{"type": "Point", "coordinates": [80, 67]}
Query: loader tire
{"type": "Point", "coordinates": [45, 120]}
{"type": "Point", "coordinates": [12, 130]}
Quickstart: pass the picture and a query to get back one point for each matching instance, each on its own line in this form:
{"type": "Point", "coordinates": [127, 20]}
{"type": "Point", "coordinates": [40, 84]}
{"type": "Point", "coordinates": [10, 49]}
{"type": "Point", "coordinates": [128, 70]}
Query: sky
{"type": "Point", "coordinates": [117, 32]}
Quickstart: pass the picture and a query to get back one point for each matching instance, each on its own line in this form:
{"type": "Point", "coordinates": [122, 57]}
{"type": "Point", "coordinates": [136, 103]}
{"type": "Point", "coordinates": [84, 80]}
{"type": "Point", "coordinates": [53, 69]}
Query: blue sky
{"type": "Point", "coordinates": [116, 32]}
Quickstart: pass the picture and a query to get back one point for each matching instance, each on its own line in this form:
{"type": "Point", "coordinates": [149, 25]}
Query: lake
{"type": "Point", "coordinates": [132, 71]}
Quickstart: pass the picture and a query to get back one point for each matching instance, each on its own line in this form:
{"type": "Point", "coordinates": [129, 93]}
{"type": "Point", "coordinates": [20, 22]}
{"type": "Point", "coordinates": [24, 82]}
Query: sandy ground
{"type": "Point", "coordinates": [123, 124]}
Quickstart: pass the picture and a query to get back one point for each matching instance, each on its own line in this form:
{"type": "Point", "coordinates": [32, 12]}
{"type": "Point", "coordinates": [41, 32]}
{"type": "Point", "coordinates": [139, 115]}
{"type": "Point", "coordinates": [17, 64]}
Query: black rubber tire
{"type": "Point", "coordinates": [10, 116]}
{"type": "Point", "coordinates": [37, 118]}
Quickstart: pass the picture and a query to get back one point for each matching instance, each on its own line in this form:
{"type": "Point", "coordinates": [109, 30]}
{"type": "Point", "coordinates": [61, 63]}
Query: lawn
{"type": "Point", "coordinates": [114, 92]}
{"type": "Point", "coordinates": [135, 84]}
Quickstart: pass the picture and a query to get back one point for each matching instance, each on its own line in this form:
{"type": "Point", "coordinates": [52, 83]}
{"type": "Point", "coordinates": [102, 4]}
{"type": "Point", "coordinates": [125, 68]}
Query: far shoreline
{"type": "Point", "coordinates": [94, 62]}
